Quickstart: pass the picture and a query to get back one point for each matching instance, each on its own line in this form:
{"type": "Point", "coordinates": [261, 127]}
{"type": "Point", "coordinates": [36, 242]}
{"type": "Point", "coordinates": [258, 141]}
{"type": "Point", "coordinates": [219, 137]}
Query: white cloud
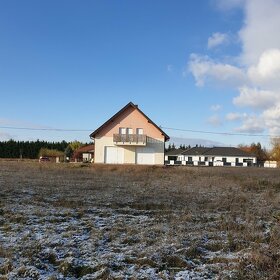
{"type": "Point", "coordinates": [272, 113]}
{"type": "Point", "coordinates": [252, 97]}
{"type": "Point", "coordinates": [267, 71]}
{"type": "Point", "coordinates": [271, 117]}
{"type": "Point", "coordinates": [260, 30]}
{"type": "Point", "coordinates": [255, 72]}
{"type": "Point", "coordinates": [217, 39]}
{"type": "Point", "coordinates": [216, 107]}
{"type": "Point", "coordinates": [274, 131]}
{"type": "Point", "coordinates": [204, 69]}
{"type": "Point", "coordinates": [261, 55]}
{"type": "Point", "coordinates": [251, 124]}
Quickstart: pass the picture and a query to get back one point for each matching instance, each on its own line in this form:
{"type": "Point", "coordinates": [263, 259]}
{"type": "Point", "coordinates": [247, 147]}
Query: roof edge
{"type": "Point", "coordinates": [130, 104]}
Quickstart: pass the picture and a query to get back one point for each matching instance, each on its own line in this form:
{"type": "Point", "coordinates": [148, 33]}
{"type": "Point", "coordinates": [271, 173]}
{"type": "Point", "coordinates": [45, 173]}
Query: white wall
{"type": "Point", "coordinates": [270, 164]}
{"type": "Point", "coordinates": [129, 151]}
{"type": "Point", "coordinates": [87, 156]}
{"type": "Point", "coordinates": [218, 160]}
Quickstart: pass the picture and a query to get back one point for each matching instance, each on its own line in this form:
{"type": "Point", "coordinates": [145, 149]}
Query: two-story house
{"type": "Point", "coordinates": [129, 137]}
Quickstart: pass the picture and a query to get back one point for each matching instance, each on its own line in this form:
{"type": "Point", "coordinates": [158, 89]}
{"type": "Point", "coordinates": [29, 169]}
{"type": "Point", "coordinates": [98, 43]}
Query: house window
{"type": "Point", "coordinates": [172, 158]}
{"type": "Point", "coordinates": [236, 160]}
{"type": "Point", "coordinates": [139, 131]}
{"type": "Point", "coordinates": [189, 158]}
{"type": "Point", "coordinates": [206, 159]}
{"type": "Point", "coordinates": [129, 131]}
{"type": "Point", "coordinates": [224, 159]}
{"type": "Point", "coordinates": [122, 130]}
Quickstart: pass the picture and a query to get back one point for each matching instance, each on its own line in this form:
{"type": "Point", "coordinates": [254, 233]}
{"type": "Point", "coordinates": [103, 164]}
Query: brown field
{"type": "Point", "coordinates": [66, 221]}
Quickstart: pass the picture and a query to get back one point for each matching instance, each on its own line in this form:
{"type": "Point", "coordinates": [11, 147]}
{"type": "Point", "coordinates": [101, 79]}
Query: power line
{"type": "Point", "coordinates": [163, 127]}
{"type": "Point", "coordinates": [217, 133]}
{"type": "Point", "coordinates": [45, 129]}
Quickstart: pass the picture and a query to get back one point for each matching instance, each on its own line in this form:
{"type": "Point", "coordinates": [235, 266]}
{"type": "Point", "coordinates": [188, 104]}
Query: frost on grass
{"type": "Point", "coordinates": [58, 222]}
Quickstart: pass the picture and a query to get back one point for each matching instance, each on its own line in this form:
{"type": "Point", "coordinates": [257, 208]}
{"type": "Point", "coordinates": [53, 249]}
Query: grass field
{"type": "Point", "coordinates": [65, 221]}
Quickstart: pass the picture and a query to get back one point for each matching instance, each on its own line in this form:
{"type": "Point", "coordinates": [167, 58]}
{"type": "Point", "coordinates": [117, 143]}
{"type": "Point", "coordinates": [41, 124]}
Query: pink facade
{"type": "Point", "coordinates": [133, 119]}
{"type": "Point", "coordinates": [129, 137]}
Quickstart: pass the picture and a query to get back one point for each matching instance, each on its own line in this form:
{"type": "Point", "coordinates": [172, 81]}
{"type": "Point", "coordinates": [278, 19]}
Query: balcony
{"type": "Point", "coordinates": [130, 139]}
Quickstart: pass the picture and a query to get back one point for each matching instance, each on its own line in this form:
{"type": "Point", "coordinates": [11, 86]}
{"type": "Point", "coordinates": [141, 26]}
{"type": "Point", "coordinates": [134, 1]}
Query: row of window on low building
{"type": "Point", "coordinates": [213, 161]}
{"type": "Point", "coordinates": [215, 156]}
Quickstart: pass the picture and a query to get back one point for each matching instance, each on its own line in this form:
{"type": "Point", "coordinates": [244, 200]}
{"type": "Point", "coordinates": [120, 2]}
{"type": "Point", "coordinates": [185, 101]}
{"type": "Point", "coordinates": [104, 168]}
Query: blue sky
{"type": "Point", "coordinates": [187, 64]}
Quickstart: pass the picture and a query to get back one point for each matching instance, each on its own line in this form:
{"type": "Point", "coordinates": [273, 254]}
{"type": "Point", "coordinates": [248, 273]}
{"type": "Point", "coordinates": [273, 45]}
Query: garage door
{"type": "Point", "coordinates": [145, 156]}
{"type": "Point", "coordinates": [114, 155]}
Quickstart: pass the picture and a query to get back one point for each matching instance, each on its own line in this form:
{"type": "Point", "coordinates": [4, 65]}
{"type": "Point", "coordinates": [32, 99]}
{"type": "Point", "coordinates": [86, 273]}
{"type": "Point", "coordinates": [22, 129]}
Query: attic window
{"type": "Point", "coordinates": [139, 131]}
{"type": "Point", "coordinates": [122, 130]}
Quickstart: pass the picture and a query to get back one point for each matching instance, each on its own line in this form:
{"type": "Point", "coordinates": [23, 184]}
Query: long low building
{"type": "Point", "coordinates": [216, 156]}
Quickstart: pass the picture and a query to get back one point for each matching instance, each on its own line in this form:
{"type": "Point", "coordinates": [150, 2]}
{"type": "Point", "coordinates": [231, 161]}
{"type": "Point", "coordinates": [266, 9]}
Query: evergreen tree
{"type": "Point", "coordinates": [28, 149]}
{"type": "Point", "coordinates": [168, 148]}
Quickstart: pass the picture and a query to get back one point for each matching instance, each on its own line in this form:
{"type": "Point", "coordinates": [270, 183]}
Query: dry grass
{"type": "Point", "coordinates": [220, 223]}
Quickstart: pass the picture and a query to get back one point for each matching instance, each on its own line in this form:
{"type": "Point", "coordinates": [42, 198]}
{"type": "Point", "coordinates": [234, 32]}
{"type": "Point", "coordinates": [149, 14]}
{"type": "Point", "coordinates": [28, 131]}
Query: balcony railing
{"type": "Point", "coordinates": [130, 139]}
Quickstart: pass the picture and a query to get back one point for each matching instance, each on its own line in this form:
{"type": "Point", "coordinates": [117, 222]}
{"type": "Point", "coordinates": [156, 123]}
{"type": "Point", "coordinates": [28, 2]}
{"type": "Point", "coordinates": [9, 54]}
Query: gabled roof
{"type": "Point", "coordinates": [217, 151]}
{"type": "Point", "coordinates": [174, 152]}
{"type": "Point", "coordinates": [130, 104]}
{"type": "Point", "coordinates": [195, 151]}
{"type": "Point", "coordinates": [85, 149]}
{"type": "Point", "coordinates": [227, 151]}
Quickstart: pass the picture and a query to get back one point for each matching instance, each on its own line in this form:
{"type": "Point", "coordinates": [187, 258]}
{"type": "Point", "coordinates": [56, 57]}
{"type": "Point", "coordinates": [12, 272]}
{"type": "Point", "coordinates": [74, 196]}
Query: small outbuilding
{"type": "Point", "coordinates": [84, 154]}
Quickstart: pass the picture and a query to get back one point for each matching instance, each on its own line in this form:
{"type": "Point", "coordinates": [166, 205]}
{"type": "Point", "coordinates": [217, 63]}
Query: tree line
{"type": "Point", "coordinates": [262, 153]}
{"type": "Point", "coordinates": [35, 149]}
{"type": "Point", "coordinates": [172, 146]}
{"type": "Point", "coordinates": [28, 149]}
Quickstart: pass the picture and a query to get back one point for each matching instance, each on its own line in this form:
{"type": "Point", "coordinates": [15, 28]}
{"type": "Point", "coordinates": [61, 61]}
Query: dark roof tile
{"type": "Point", "coordinates": [174, 152]}
{"type": "Point", "coordinates": [218, 151]}
{"type": "Point", "coordinates": [195, 151]}
{"type": "Point", "coordinates": [227, 151]}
